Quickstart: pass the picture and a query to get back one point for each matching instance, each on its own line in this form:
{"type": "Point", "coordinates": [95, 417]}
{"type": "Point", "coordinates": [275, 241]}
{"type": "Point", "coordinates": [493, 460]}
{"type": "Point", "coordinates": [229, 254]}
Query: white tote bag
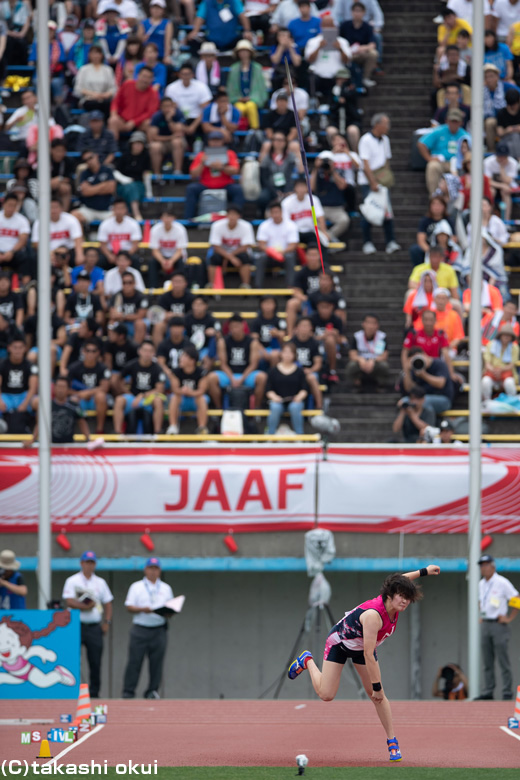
{"type": "Point", "coordinates": [375, 206]}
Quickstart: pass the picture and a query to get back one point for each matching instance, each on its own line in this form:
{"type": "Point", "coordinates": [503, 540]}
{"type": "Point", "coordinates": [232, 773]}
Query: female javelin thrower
{"type": "Point", "coordinates": [356, 637]}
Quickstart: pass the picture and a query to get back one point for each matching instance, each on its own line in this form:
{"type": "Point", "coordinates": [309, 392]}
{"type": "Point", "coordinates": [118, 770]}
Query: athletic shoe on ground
{"type": "Point", "coordinates": [369, 248]}
{"type": "Point", "coordinates": [299, 665]}
{"type": "Point", "coordinates": [392, 247]}
{"type": "Point", "coordinates": [152, 695]}
{"type": "Point", "coordinates": [393, 749]}
{"type": "Point", "coordinates": [172, 430]}
{"type": "Point", "coordinates": [201, 430]}
{"type": "Point", "coordinates": [484, 697]}
{"type": "Point", "coordinates": [369, 83]}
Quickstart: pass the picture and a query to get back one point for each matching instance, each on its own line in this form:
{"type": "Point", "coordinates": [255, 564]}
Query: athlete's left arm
{"type": "Point", "coordinates": [431, 569]}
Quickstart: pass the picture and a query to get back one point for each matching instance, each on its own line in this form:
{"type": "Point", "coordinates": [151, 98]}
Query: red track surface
{"type": "Point", "coordinates": [269, 733]}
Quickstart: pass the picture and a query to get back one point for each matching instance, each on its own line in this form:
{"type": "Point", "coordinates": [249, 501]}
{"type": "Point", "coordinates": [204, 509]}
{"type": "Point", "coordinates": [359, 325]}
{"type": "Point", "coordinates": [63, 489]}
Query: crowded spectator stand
{"type": "Point", "coordinates": [170, 146]}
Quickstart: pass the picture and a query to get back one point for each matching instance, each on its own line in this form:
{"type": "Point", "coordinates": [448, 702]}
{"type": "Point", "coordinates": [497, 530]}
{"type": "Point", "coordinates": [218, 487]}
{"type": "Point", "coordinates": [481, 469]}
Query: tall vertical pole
{"type": "Point", "coordinates": [475, 366]}
{"type": "Point", "coordinates": [44, 310]}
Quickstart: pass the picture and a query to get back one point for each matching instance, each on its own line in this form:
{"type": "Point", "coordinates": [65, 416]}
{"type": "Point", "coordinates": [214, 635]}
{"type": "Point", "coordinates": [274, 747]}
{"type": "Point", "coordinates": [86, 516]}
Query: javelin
{"type": "Point", "coordinates": [304, 161]}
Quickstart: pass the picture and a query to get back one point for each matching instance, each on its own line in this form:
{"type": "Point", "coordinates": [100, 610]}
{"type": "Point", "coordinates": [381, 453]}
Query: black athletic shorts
{"type": "Point", "coordinates": [339, 654]}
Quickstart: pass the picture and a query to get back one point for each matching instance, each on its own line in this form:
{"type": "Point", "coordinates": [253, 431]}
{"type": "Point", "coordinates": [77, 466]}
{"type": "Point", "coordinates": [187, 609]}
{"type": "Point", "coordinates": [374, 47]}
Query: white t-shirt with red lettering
{"type": "Point", "coordinates": [222, 235]}
{"type": "Point", "coordinates": [63, 232]}
{"type": "Point", "coordinates": [11, 229]}
{"type": "Point", "coordinates": [169, 241]}
{"type": "Point", "coordinates": [111, 231]}
{"type": "Point", "coordinates": [299, 211]}
{"type": "Point", "coordinates": [345, 164]}
{"type": "Point", "coordinates": [278, 236]}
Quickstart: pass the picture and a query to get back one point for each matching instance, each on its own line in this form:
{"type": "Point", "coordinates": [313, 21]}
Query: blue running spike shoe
{"type": "Point", "coordinates": [393, 749]}
{"type": "Point", "coordinates": [299, 665]}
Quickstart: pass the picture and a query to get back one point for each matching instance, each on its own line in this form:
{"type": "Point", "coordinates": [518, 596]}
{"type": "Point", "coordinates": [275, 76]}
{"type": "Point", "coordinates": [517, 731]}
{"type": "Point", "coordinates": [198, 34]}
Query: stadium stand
{"type": "Point", "coordinates": [207, 231]}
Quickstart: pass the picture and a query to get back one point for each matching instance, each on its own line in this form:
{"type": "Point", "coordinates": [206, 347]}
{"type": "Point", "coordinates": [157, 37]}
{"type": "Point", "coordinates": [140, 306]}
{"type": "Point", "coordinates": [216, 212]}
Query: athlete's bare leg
{"type": "Point", "coordinates": [326, 682]}
{"type": "Point", "coordinates": [383, 707]}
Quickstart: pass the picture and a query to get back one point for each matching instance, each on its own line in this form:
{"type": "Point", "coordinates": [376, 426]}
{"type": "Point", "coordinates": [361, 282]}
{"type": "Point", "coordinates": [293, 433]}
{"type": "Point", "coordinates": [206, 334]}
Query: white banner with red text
{"type": "Point", "coordinates": [256, 488]}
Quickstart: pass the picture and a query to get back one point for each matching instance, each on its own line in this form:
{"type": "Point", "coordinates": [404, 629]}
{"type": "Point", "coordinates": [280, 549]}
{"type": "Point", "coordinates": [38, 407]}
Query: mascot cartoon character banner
{"type": "Point", "coordinates": [39, 654]}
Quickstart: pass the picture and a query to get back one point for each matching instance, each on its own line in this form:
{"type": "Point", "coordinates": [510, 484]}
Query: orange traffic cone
{"type": "Point", "coordinates": [218, 283]}
{"type": "Point", "coordinates": [517, 704]}
{"type": "Point", "coordinates": [83, 711]}
{"type": "Point", "coordinates": [45, 751]}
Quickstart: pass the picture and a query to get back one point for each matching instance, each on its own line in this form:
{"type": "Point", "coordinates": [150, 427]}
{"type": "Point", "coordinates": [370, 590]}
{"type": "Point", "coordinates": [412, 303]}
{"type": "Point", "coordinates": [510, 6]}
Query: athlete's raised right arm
{"type": "Point", "coordinates": [428, 570]}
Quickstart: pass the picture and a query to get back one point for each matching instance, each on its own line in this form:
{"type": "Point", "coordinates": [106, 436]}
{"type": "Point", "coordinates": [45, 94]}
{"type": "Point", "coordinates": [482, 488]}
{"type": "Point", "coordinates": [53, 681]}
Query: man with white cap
{"type": "Point", "coordinates": [92, 596]}
{"type": "Point", "coordinates": [13, 590]}
{"type": "Point", "coordinates": [148, 633]}
{"type": "Point", "coordinates": [495, 593]}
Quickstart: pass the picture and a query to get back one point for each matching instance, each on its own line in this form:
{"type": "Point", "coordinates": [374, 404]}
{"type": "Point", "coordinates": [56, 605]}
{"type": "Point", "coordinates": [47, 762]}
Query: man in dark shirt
{"type": "Point", "coordinates": [201, 329]}
{"type": "Point", "coordinates": [147, 381]}
{"type": "Point", "coordinates": [281, 120]}
{"type": "Point", "coordinates": [63, 171]}
{"type": "Point", "coordinates": [269, 330]}
{"type": "Point", "coordinates": [65, 414]}
{"type": "Point", "coordinates": [433, 376]}
{"type": "Point", "coordinates": [96, 189]}
{"type": "Point", "coordinates": [11, 312]}
{"type": "Point", "coordinates": [306, 282]}
{"type": "Point", "coordinates": [329, 286]}
{"type": "Point", "coordinates": [81, 303]}
{"type": "Point", "coordinates": [99, 138]}
{"type": "Point", "coordinates": [167, 136]}
{"type": "Point", "coordinates": [239, 356]}
{"type": "Point", "coordinates": [508, 123]}
{"type": "Point", "coordinates": [188, 392]}
{"type": "Point", "coordinates": [18, 381]}
{"type": "Point", "coordinates": [414, 416]}
{"type": "Point", "coordinates": [177, 301]}
{"type": "Point", "coordinates": [73, 347]}
{"type": "Point", "coordinates": [130, 306]}
{"type": "Point", "coordinates": [171, 348]}
{"type": "Point", "coordinates": [361, 38]}
{"type": "Point", "coordinates": [329, 184]}
{"type": "Point", "coordinates": [58, 338]}
{"type": "Point", "coordinates": [90, 381]}
{"type": "Point", "coordinates": [328, 329]}
{"type": "Point", "coordinates": [309, 355]}
{"type": "Point", "coordinates": [119, 351]}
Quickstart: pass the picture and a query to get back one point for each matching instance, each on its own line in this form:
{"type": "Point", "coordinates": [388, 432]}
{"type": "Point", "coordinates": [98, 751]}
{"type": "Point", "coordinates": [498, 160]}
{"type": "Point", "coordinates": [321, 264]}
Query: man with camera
{"type": "Point", "coordinates": [414, 416]}
{"type": "Point", "coordinates": [329, 184]}
{"type": "Point", "coordinates": [432, 375]}
{"type": "Point", "coordinates": [13, 590]}
{"type": "Point", "coordinates": [432, 341]}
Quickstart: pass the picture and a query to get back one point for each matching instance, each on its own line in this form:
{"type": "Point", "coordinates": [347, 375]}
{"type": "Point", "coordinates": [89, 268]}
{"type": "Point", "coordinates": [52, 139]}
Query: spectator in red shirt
{"type": "Point", "coordinates": [431, 340]}
{"type": "Point", "coordinates": [213, 174]}
{"type": "Point", "coordinates": [134, 104]}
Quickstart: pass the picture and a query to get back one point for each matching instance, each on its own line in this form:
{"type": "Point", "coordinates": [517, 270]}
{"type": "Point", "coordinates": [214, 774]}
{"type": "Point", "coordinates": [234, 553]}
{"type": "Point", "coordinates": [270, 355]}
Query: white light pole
{"type": "Point", "coordinates": [44, 310]}
{"type": "Point", "coordinates": [475, 342]}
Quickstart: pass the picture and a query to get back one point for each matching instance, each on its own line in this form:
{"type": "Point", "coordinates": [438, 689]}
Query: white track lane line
{"type": "Point", "coordinates": [95, 730]}
{"type": "Point", "coordinates": [508, 731]}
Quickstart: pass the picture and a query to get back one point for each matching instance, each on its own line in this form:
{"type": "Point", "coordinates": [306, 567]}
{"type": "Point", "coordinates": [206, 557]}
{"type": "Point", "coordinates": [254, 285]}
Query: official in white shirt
{"type": "Point", "coordinates": [148, 633]}
{"type": "Point", "coordinates": [494, 594]}
{"type": "Point", "coordinates": [92, 596]}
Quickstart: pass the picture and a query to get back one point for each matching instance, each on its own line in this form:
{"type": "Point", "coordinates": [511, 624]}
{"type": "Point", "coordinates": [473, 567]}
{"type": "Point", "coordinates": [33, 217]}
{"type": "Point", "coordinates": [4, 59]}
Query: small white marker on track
{"type": "Point", "coordinates": [300, 706]}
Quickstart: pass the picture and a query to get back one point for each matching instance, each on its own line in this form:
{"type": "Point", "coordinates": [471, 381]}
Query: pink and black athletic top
{"type": "Point", "coordinates": [349, 631]}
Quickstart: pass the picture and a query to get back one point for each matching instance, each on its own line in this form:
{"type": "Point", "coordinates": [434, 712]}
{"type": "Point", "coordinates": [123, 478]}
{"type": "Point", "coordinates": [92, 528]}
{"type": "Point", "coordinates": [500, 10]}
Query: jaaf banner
{"type": "Point", "coordinates": [383, 489]}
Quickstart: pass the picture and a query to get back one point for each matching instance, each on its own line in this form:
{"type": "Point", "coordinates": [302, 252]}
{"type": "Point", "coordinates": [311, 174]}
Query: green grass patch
{"type": "Point", "coordinates": [319, 773]}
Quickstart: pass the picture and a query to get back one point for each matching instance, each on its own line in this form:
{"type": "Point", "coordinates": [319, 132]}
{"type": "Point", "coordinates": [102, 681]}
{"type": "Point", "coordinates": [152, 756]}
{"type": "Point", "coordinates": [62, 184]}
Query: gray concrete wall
{"type": "Point", "coordinates": [237, 630]}
{"type": "Point", "coordinates": [289, 543]}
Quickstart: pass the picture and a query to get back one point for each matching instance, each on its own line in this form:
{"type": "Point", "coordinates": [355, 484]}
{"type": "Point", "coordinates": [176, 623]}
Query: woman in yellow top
{"type": "Point", "coordinates": [447, 31]}
{"type": "Point", "coordinates": [500, 358]}
{"type": "Point", "coordinates": [513, 41]}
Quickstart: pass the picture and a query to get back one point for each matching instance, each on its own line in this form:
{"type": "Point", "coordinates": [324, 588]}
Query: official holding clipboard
{"type": "Point", "coordinates": [146, 599]}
